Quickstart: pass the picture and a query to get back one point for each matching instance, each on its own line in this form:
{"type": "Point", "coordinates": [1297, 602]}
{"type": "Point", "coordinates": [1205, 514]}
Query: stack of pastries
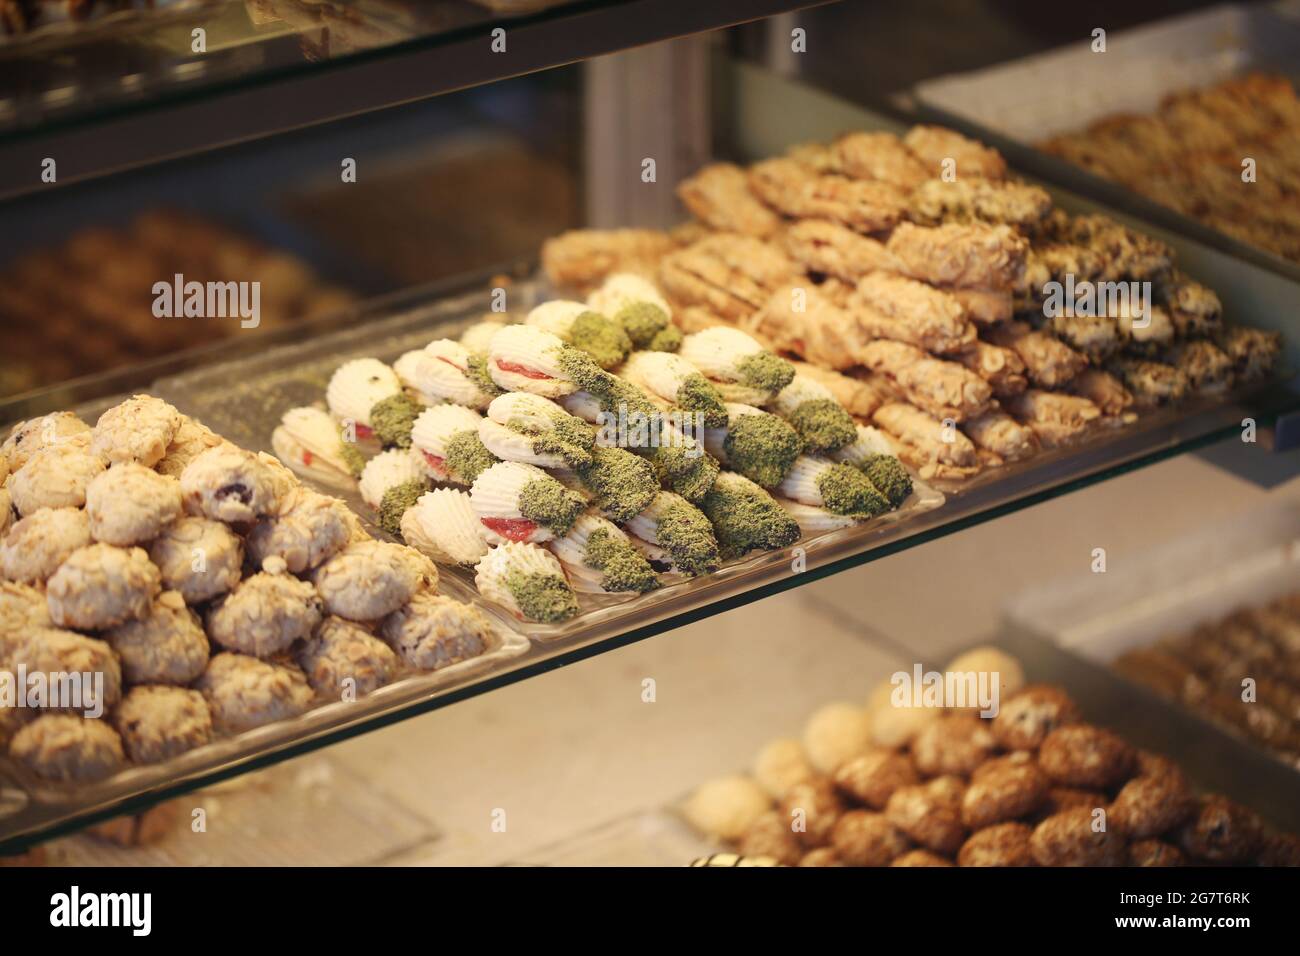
{"type": "Point", "coordinates": [914, 278]}
{"type": "Point", "coordinates": [199, 590]}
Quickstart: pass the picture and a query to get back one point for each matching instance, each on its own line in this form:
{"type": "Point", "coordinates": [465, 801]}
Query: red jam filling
{"type": "Point", "coordinates": [518, 369]}
{"type": "Point", "coordinates": [443, 358]}
{"type": "Point", "coordinates": [512, 529]}
{"type": "Point", "coordinates": [439, 465]}
{"type": "Point", "coordinates": [308, 458]}
{"type": "Point", "coordinates": [364, 432]}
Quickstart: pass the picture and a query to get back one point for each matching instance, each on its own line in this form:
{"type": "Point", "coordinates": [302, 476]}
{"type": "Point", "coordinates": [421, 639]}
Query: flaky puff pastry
{"type": "Point", "coordinates": [799, 318]}
{"type": "Point", "coordinates": [944, 389]}
{"type": "Point", "coordinates": [1056, 418]}
{"type": "Point", "coordinates": [984, 306]}
{"type": "Point", "coordinates": [731, 275]}
{"type": "Point", "coordinates": [860, 394]}
{"type": "Point", "coordinates": [972, 256]}
{"type": "Point", "coordinates": [719, 196]}
{"type": "Point", "coordinates": [881, 157]}
{"type": "Point", "coordinates": [1050, 362]}
{"type": "Point", "coordinates": [997, 432]}
{"type": "Point", "coordinates": [820, 245]}
{"type": "Point", "coordinates": [1103, 390]}
{"type": "Point", "coordinates": [935, 449]}
{"type": "Point", "coordinates": [935, 146]}
{"type": "Point", "coordinates": [1000, 367]}
{"type": "Point", "coordinates": [582, 258]}
{"type": "Point", "coordinates": [894, 307]}
{"type": "Point", "coordinates": [793, 189]}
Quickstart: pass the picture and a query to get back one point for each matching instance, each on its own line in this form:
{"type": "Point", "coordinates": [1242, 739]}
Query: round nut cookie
{"type": "Point", "coordinates": [780, 765]}
{"type": "Point", "coordinates": [21, 609]}
{"type": "Point", "coordinates": [29, 437]}
{"type": "Point", "coordinates": [1081, 755]}
{"type": "Point", "coordinates": [921, 858]}
{"type": "Point", "coordinates": [1220, 831]}
{"type": "Point", "coordinates": [367, 580]}
{"type": "Point", "coordinates": [930, 814]}
{"type": "Point", "coordinates": [812, 809]}
{"type": "Point", "coordinates": [68, 749]}
{"type": "Point", "coordinates": [726, 807]}
{"type": "Point", "coordinates": [431, 632]}
{"type": "Point", "coordinates": [100, 586]}
{"type": "Point", "coordinates": [1003, 844]}
{"type": "Point", "coordinates": [192, 439]}
{"type": "Point", "coordinates": [873, 777]}
{"type": "Point", "coordinates": [230, 484]}
{"type": "Point", "coordinates": [1154, 853]}
{"type": "Point", "coordinates": [1147, 806]}
{"type": "Point", "coordinates": [243, 692]}
{"type": "Point", "coordinates": [865, 838]}
{"type": "Point", "coordinates": [161, 722]}
{"type": "Point", "coordinates": [129, 504]}
{"type": "Point", "coordinates": [165, 646]}
{"type": "Point", "coordinates": [1003, 792]}
{"type": "Point", "coordinates": [198, 557]}
{"type": "Point", "coordinates": [835, 733]}
{"type": "Point", "coordinates": [342, 651]}
{"type": "Point", "coordinates": [136, 430]}
{"type": "Point", "coordinates": [821, 856]}
{"type": "Point", "coordinates": [956, 744]}
{"type": "Point", "coordinates": [770, 835]}
{"type": "Point", "coordinates": [35, 546]}
{"type": "Point", "coordinates": [59, 653]}
{"type": "Point", "coordinates": [1024, 721]}
{"type": "Point", "coordinates": [265, 614]}
{"type": "Point", "coordinates": [309, 528]}
{"type": "Point", "coordinates": [54, 477]}
{"type": "Point", "coordinates": [1072, 838]}
{"type": "Point", "coordinates": [7, 516]}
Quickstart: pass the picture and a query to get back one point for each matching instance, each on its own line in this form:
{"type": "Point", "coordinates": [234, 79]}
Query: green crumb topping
{"type": "Point", "coordinates": [582, 370]}
{"type": "Point", "coordinates": [824, 425]}
{"type": "Point", "coordinates": [889, 476]}
{"type": "Point", "coordinates": [765, 371]}
{"type": "Point", "coordinates": [622, 483]}
{"type": "Point", "coordinates": [643, 321]}
{"type": "Point", "coordinates": [746, 518]}
{"type": "Point", "coordinates": [395, 502]}
{"type": "Point", "coordinates": [353, 458]}
{"type": "Point", "coordinates": [569, 437]}
{"type": "Point", "coordinates": [467, 457]}
{"type": "Point", "coordinates": [545, 598]}
{"type": "Point", "coordinates": [624, 567]}
{"type": "Point", "coordinates": [697, 394]}
{"type": "Point", "coordinates": [762, 448]}
{"type": "Point", "coordinates": [685, 469]}
{"type": "Point", "coordinates": [847, 491]}
{"type": "Point", "coordinates": [477, 372]}
{"type": "Point", "coordinates": [685, 533]}
{"type": "Point", "coordinates": [392, 419]}
{"type": "Point", "coordinates": [667, 340]}
{"type": "Point", "coordinates": [601, 338]}
{"type": "Point", "coordinates": [550, 504]}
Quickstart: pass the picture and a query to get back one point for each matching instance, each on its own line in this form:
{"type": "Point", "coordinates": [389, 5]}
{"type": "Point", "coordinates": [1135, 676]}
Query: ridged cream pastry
{"type": "Point", "coordinates": [528, 581]}
{"type": "Point", "coordinates": [443, 525]}
{"type": "Point", "coordinates": [445, 437]}
{"type": "Point", "coordinates": [536, 431]}
{"type": "Point", "coordinates": [681, 531]}
{"type": "Point", "coordinates": [737, 364]}
{"type": "Point", "coordinates": [522, 503]}
{"type": "Point", "coordinates": [598, 558]}
{"type": "Point", "coordinates": [308, 440]}
{"type": "Point", "coordinates": [355, 388]}
{"type": "Point", "coordinates": [447, 371]}
{"type": "Point", "coordinates": [821, 422]}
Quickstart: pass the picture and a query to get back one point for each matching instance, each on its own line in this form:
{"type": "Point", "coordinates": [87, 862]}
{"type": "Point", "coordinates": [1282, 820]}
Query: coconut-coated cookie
{"type": "Point", "coordinates": [1024, 721]}
{"type": "Point", "coordinates": [1081, 755]}
{"type": "Point", "coordinates": [35, 546]}
{"type": "Point", "coordinates": [137, 430]}
{"type": "Point", "coordinates": [1003, 792]}
{"type": "Point", "coordinates": [431, 631]}
{"type": "Point", "coordinates": [1220, 831]}
{"type": "Point", "coordinates": [55, 477]}
{"type": "Point", "coordinates": [198, 557]}
{"type": "Point", "coordinates": [129, 504]}
{"type": "Point", "coordinates": [309, 528]}
{"type": "Point", "coordinates": [7, 516]}
{"type": "Point", "coordinates": [770, 835]}
{"type": "Point", "coordinates": [243, 692]}
{"type": "Point", "coordinates": [865, 838]}
{"type": "Point", "coordinates": [812, 808]}
{"type": "Point", "coordinates": [1070, 838]}
{"type": "Point", "coordinates": [726, 807]}
{"type": "Point", "coordinates": [21, 608]}
{"type": "Point", "coordinates": [100, 586]}
{"type": "Point", "coordinates": [873, 777]}
{"type": "Point", "coordinates": [192, 439]}
{"type": "Point", "coordinates": [930, 814]}
{"type": "Point", "coordinates": [1154, 853]}
{"type": "Point", "coordinates": [27, 438]}
{"type": "Point", "coordinates": [340, 651]}
{"type": "Point", "coordinates": [780, 765]}
{"type": "Point", "coordinates": [956, 744]}
{"type": "Point", "coordinates": [229, 484]}
{"type": "Point", "coordinates": [53, 651]}
{"type": "Point", "coordinates": [160, 722]}
{"type": "Point", "coordinates": [68, 749]}
{"type": "Point", "coordinates": [265, 614]}
{"type": "Point", "coordinates": [165, 646]}
{"type": "Point", "coordinates": [1147, 806]}
{"type": "Point", "coordinates": [1003, 844]}
{"type": "Point", "coordinates": [367, 580]}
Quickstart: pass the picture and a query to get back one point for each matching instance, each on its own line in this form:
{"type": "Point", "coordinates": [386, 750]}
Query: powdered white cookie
{"type": "Point", "coordinates": [68, 749]}
{"type": "Point", "coordinates": [29, 437]}
{"type": "Point", "coordinates": [229, 484]}
{"type": "Point", "coordinates": [34, 547]}
{"type": "Point", "coordinates": [367, 580]}
{"type": "Point", "coordinates": [54, 477]}
{"type": "Point", "coordinates": [265, 614]}
{"type": "Point", "coordinates": [343, 659]}
{"type": "Point", "coordinates": [309, 528]}
{"type": "Point", "coordinates": [243, 692]}
{"type": "Point", "coordinates": [198, 557]}
{"type": "Point", "coordinates": [432, 631]}
{"type": "Point", "coordinates": [192, 439]}
{"type": "Point", "coordinates": [100, 585]}
{"type": "Point", "coordinates": [157, 722]}
{"type": "Point", "coordinates": [165, 646]}
{"type": "Point", "coordinates": [138, 430]}
{"type": "Point", "coordinates": [129, 504]}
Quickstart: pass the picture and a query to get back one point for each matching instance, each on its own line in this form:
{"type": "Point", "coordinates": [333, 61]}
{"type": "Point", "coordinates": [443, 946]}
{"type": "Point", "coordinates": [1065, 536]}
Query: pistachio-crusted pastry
{"type": "Point", "coordinates": [536, 431]}
{"type": "Point", "coordinates": [1055, 418]}
{"type": "Point", "coordinates": [742, 369]}
{"type": "Point", "coordinates": [581, 258]}
{"type": "Point", "coordinates": [446, 439]}
{"type": "Point", "coordinates": [528, 359]}
{"type": "Point", "coordinates": [677, 381]}
{"type": "Point", "coordinates": [1049, 362]}
{"type": "Point", "coordinates": [973, 256]}
{"type": "Point", "coordinates": [719, 196]}
{"type": "Point", "coordinates": [27, 438]}
{"type": "Point", "coordinates": [895, 307]}
{"type": "Point", "coordinates": [999, 433]}
{"type": "Point", "coordinates": [598, 558]}
{"type": "Point", "coordinates": [1001, 367]}
{"type": "Point", "coordinates": [1103, 390]}
{"type": "Point", "coordinates": [622, 483]}
{"type": "Point", "coordinates": [622, 289]}
{"type": "Point", "coordinates": [936, 146]}
{"type": "Point", "coordinates": [447, 371]}
{"type": "Point", "coordinates": [860, 394]}
{"type": "Point", "coordinates": [878, 156]}
{"type": "Point", "coordinates": [821, 422]}
{"type": "Point", "coordinates": [1253, 351]}
{"type": "Point", "coordinates": [838, 487]}
{"type": "Point", "coordinates": [945, 389]}
{"type": "Point", "coordinates": [793, 189]}
{"type": "Point", "coordinates": [681, 530]}
{"type": "Point", "coordinates": [888, 475]}
{"type": "Point", "coordinates": [1151, 383]}
{"type": "Point", "coordinates": [826, 247]}
{"type": "Point", "coordinates": [443, 525]}
{"type": "Point", "coordinates": [517, 502]}
{"type": "Point", "coordinates": [746, 518]}
{"type": "Point", "coordinates": [868, 442]}
{"type": "Point", "coordinates": [979, 200]}
{"type": "Point", "coordinates": [601, 337]}
{"type": "Point", "coordinates": [731, 275]}
{"type": "Point", "coordinates": [1206, 367]}
{"type": "Point", "coordinates": [757, 444]}
{"type": "Point", "coordinates": [528, 581]}
{"type": "Point", "coordinates": [681, 464]}
{"type": "Point", "coordinates": [354, 389]}
{"type": "Point", "coordinates": [431, 632]}
{"type": "Point", "coordinates": [309, 441]}
{"type": "Point", "coordinates": [934, 449]}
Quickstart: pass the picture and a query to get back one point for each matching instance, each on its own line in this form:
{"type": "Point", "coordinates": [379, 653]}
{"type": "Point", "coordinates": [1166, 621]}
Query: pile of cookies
{"type": "Point", "coordinates": [201, 587]}
{"type": "Point", "coordinates": [943, 301]}
{"type": "Point", "coordinates": [1035, 785]}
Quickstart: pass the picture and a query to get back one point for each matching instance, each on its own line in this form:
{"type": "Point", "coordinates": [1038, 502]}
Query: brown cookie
{"type": "Point", "coordinates": [1154, 853]}
{"type": "Point", "coordinates": [929, 815]}
{"type": "Point", "coordinates": [1148, 806]}
{"type": "Point", "coordinates": [1004, 792]}
{"type": "Point", "coordinates": [954, 744]}
{"type": "Point", "coordinates": [1280, 849]}
{"type": "Point", "coordinates": [770, 835]}
{"type": "Point", "coordinates": [811, 809]}
{"type": "Point", "coordinates": [1026, 719]}
{"type": "Point", "coordinates": [822, 856]}
{"type": "Point", "coordinates": [1220, 831]}
{"type": "Point", "coordinates": [873, 777]}
{"type": "Point", "coordinates": [921, 858]}
{"type": "Point", "coordinates": [1005, 844]}
{"type": "Point", "coordinates": [1070, 839]}
{"type": "Point", "coordinates": [1063, 798]}
{"type": "Point", "coordinates": [1081, 755]}
{"type": "Point", "coordinates": [864, 838]}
